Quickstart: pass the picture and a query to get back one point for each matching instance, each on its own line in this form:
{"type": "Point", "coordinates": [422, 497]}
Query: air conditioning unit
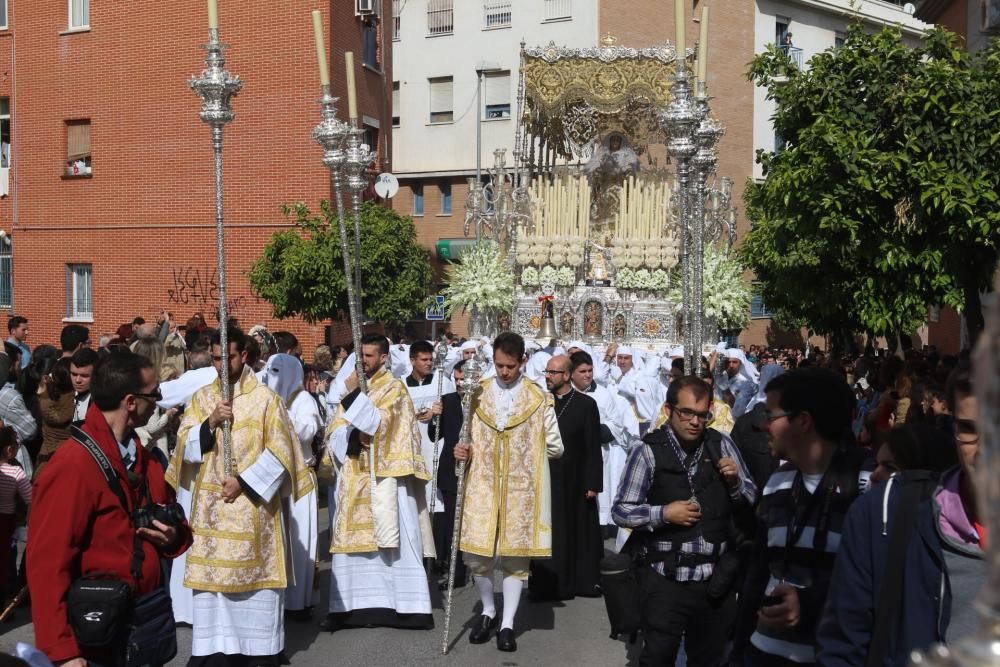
{"type": "Point", "coordinates": [365, 7]}
{"type": "Point", "coordinates": [991, 15]}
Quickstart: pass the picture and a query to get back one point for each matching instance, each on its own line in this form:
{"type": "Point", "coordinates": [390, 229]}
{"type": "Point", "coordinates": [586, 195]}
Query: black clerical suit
{"type": "Point", "coordinates": [447, 482]}
{"type": "Point", "coordinates": [577, 547]}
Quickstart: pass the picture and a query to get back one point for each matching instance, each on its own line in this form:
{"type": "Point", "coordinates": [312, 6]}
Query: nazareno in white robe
{"type": "Point", "coordinates": [393, 578]}
{"type": "Point", "coordinates": [303, 524]}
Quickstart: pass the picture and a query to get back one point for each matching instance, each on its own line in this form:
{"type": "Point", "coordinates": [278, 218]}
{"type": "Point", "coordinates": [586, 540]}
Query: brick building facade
{"type": "Point", "coordinates": [133, 231]}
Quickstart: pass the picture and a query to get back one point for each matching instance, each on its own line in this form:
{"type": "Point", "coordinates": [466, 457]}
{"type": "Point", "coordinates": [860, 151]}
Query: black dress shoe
{"type": "Point", "coordinates": [505, 640]}
{"type": "Point", "coordinates": [481, 633]}
{"type": "Point", "coordinates": [330, 624]}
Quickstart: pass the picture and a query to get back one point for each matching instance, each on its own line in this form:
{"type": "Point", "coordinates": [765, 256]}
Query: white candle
{"type": "Point", "coordinates": [679, 21]}
{"type": "Point", "coordinates": [324, 73]}
{"type": "Point", "coordinates": [213, 14]}
{"type": "Point", "coordinates": [703, 46]}
{"type": "Point", "coordinates": [352, 94]}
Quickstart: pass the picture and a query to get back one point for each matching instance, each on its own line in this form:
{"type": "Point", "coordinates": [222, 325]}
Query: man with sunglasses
{"type": "Point", "coordinates": [936, 573]}
{"type": "Point", "coordinates": [679, 494]}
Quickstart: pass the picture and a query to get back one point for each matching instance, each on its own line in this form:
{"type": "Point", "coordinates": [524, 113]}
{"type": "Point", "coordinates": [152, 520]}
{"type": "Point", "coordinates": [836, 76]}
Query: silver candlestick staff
{"type": "Point", "coordinates": [472, 372]}
{"type": "Point", "coordinates": [216, 87]}
{"type": "Point", "coordinates": [331, 134]}
{"type": "Point", "coordinates": [706, 136]}
{"type": "Point", "coordinates": [440, 357]}
{"type": "Point", "coordinates": [680, 120]}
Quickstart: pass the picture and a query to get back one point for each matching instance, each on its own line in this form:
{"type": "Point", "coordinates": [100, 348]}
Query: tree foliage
{"type": "Point", "coordinates": [301, 271]}
{"type": "Point", "coordinates": [886, 197]}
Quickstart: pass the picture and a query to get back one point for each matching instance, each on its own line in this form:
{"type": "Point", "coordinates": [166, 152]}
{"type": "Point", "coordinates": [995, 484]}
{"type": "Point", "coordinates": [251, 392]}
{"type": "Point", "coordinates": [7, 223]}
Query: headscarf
{"type": "Point", "coordinates": [284, 376]}
{"type": "Point", "coordinates": [747, 370]}
{"type": "Point", "coordinates": [767, 373]}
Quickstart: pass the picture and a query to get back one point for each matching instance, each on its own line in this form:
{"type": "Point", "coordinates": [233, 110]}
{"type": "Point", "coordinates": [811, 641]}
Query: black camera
{"type": "Point", "coordinates": [170, 515]}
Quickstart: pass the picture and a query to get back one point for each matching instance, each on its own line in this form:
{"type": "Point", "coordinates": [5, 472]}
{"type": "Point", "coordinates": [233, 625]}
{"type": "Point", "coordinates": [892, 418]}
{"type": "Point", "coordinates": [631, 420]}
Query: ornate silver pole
{"type": "Point", "coordinates": [216, 87]}
{"type": "Point", "coordinates": [440, 356]}
{"type": "Point", "coordinates": [357, 158]}
{"type": "Point", "coordinates": [707, 135]}
{"type": "Point", "coordinates": [472, 371]}
{"type": "Point", "coordinates": [330, 134]}
{"type": "Point", "coordinates": [679, 120]}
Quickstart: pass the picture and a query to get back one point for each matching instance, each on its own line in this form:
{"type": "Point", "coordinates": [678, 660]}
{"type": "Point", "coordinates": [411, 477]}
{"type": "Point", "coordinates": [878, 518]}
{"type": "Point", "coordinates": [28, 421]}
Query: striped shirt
{"type": "Point", "coordinates": [15, 414]}
{"type": "Point", "coordinates": [631, 509]}
{"type": "Point", "coordinates": [790, 497]}
{"type": "Point", "coordinates": [13, 482]}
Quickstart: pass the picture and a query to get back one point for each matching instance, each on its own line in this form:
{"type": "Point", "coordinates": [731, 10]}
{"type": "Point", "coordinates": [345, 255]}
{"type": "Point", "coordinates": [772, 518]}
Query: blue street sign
{"type": "Point", "coordinates": [435, 311]}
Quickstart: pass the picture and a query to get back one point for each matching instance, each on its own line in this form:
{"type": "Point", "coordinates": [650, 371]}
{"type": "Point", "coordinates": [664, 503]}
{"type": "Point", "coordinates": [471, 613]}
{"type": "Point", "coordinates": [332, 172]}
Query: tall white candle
{"type": "Point", "coordinates": [324, 73]}
{"type": "Point", "coordinates": [352, 93]}
{"type": "Point", "coordinates": [679, 22]}
{"type": "Point", "coordinates": [703, 46]}
{"type": "Point", "coordinates": [213, 14]}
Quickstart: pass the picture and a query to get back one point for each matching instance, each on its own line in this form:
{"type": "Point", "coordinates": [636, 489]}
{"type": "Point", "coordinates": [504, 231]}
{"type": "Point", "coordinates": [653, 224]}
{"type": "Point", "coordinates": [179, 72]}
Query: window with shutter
{"type": "Point", "coordinates": [78, 160]}
{"type": "Point", "coordinates": [442, 94]}
{"type": "Point", "coordinates": [440, 17]}
{"type": "Point", "coordinates": [496, 13]}
{"type": "Point", "coordinates": [496, 95]}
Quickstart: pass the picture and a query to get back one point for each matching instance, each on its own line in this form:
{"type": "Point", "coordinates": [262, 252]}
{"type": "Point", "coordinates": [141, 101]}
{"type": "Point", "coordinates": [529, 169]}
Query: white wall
{"type": "Point", "coordinates": [419, 146]}
{"type": "Point", "coordinates": [814, 25]}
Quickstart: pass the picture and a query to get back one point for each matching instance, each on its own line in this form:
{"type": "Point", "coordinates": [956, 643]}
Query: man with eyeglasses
{"type": "Point", "coordinates": [679, 494]}
{"type": "Point", "coordinates": [935, 574]}
{"type": "Point", "coordinates": [577, 479]}
{"type": "Point", "coordinates": [802, 508]}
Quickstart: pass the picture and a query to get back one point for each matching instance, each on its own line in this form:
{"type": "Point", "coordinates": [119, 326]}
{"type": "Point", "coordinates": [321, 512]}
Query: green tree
{"type": "Point", "coordinates": [301, 271]}
{"type": "Point", "coordinates": [886, 196]}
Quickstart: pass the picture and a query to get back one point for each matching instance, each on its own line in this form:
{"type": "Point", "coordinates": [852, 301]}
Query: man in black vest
{"type": "Point", "coordinates": [678, 494]}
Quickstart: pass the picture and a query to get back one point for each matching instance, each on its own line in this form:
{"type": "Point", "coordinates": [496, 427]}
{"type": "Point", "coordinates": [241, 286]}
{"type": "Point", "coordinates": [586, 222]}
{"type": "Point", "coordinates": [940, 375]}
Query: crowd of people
{"type": "Point", "coordinates": [763, 506]}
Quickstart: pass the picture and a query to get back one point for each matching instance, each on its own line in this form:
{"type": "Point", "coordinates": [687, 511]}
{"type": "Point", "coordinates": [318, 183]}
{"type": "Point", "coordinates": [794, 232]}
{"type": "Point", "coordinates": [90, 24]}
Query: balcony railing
{"type": "Point", "coordinates": [396, 9]}
{"type": "Point", "coordinates": [558, 9]}
{"type": "Point", "coordinates": [794, 53]}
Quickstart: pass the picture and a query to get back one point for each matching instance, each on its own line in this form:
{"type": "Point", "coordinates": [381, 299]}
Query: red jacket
{"type": "Point", "coordinates": [78, 527]}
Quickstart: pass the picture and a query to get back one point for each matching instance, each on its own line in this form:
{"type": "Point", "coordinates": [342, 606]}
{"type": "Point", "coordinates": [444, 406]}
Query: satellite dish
{"type": "Point", "coordinates": [909, 8]}
{"type": "Point", "coordinates": [386, 186]}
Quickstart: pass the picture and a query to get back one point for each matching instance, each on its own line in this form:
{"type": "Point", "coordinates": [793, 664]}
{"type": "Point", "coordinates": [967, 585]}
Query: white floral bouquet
{"type": "Point", "coordinates": [480, 279]}
{"type": "Point", "coordinates": [725, 295]}
{"type": "Point", "coordinates": [529, 277]}
{"type": "Point", "coordinates": [565, 277]}
{"type": "Point", "coordinates": [548, 276]}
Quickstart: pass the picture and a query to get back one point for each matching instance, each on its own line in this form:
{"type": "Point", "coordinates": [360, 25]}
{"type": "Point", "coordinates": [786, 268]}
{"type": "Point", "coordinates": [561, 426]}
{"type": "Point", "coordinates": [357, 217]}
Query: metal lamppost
{"type": "Point", "coordinates": [216, 87]}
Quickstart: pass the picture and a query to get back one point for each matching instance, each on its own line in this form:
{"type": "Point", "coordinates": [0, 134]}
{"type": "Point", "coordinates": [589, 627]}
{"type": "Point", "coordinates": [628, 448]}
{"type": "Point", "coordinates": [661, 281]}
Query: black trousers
{"type": "Point", "coordinates": [444, 528]}
{"type": "Point", "coordinates": [674, 610]}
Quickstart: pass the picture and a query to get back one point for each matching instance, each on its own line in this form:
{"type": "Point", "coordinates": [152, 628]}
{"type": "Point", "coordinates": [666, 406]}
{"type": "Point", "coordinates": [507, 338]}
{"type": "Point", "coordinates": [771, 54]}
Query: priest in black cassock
{"type": "Point", "coordinates": [577, 478]}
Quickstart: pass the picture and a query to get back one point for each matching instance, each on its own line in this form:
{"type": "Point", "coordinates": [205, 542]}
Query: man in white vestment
{"type": "Point", "coordinates": [236, 566]}
{"type": "Point", "coordinates": [286, 377]}
{"type": "Point", "coordinates": [643, 391]}
{"type": "Point", "coordinates": [379, 538]}
{"type": "Point", "coordinates": [740, 378]}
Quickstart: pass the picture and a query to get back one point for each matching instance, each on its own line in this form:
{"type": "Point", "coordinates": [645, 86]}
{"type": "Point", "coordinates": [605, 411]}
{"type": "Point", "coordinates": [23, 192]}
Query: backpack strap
{"type": "Point", "coordinates": [918, 486]}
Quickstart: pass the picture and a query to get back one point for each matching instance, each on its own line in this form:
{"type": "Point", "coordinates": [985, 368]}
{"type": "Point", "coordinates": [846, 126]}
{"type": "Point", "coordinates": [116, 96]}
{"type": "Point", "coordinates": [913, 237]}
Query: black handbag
{"type": "Point", "coordinates": [620, 584]}
{"type": "Point", "coordinates": [102, 611]}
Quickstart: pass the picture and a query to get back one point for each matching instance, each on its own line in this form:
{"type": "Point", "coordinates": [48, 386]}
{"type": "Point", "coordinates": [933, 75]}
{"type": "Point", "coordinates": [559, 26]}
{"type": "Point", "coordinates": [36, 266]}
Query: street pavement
{"type": "Point", "coordinates": [572, 633]}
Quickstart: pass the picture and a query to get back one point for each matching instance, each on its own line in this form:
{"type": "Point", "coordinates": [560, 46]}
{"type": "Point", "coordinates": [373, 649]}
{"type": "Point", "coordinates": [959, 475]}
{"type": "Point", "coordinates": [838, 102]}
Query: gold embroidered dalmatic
{"type": "Point", "coordinates": [507, 509]}
{"type": "Point", "coordinates": [239, 546]}
{"type": "Point", "coordinates": [397, 450]}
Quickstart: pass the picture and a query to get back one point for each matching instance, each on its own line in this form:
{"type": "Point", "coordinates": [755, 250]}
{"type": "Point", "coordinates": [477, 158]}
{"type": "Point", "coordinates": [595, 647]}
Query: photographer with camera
{"type": "Point", "coordinates": [102, 519]}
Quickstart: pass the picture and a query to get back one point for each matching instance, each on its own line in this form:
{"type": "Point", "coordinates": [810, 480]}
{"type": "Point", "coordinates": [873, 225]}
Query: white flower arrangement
{"type": "Point", "coordinates": [529, 277]}
{"type": "Point", "coordinates": [548, 276]}
{"type": "Point", "coordinates": [480, 279]}
{"type": "Point", "coordinates": [726, 296]}
{"type": "Point", "coordinates": [565, 277]}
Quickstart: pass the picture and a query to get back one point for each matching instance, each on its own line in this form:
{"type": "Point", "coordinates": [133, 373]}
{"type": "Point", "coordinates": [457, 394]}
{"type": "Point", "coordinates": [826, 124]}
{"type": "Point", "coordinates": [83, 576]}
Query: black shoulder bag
{"type": "Point", "coordinates": [102, 610]}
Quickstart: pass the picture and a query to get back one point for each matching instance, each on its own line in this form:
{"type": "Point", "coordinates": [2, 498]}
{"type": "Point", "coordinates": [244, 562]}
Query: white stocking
{"type": "Point", "coordinates": [512, 587]}
{"type": "Point", "coordinates": [485, 586]}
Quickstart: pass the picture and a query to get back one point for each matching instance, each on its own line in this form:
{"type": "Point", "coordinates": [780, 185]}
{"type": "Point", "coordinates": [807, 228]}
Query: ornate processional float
{"type": "Point", "coordinates": [606, 212]}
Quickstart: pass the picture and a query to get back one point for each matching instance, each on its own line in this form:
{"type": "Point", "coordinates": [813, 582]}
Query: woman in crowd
{"type": "Point", "coordinates": [56, 406]}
